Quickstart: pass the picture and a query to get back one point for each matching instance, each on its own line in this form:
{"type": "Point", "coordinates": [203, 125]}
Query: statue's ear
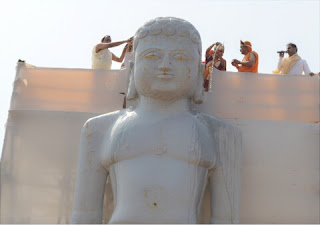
{"type": "Point", "coordinates": [132, 92]}
{"type": "Point", "coordinates": [199, 92]}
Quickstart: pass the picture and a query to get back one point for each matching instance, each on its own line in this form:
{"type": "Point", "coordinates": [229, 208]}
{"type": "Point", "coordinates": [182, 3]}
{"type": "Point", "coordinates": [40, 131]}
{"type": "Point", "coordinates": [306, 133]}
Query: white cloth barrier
{"type": "Point", "coordinates": [278, 117]}
{"type": "Point", "coordinates": [263, 97]}
{"type": "Point", "coordinates": [38, 166]}
{"type": "Point", "coordinates": [74, 90]}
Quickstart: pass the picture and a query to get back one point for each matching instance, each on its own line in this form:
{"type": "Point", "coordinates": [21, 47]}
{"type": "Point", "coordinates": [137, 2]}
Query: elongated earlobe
{"type": "Point", "coordinates": [199, 92]}
{"type": "Point", "coordinates": [132, 92]}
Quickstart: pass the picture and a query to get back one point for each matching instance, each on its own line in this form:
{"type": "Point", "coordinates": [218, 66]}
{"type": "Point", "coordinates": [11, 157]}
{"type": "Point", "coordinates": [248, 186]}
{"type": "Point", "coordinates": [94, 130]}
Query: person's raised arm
{"type": "Point", "coordinates": [117, 59]}
{"type": "Point", "coordinates": [102, 46]}
{"type": "Point", "coordinates": [210, 47]}
{"type": "Point", "coordinates": [281, 57]}
{"type": "Point", "coordinates": [90, 181]}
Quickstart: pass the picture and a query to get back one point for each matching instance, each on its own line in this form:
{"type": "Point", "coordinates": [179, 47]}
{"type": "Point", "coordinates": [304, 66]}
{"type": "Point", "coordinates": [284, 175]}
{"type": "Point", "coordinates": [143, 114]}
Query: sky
{"type": "Point", "coordinates": [62, 33]}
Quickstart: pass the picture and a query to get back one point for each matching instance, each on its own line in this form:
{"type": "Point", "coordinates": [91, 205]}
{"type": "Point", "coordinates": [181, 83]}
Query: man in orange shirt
{"type": "Point", "coordinates": [250, 60]}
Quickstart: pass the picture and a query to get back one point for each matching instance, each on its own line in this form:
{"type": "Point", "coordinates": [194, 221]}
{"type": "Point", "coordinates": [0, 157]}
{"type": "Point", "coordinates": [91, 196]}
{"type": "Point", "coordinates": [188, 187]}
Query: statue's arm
{"type": "Point", "coordinates": [90, 179]}
{"type": "Point", "coordinates": [219, 200]}
{"type": "Point", "coordinates": [224, 177]}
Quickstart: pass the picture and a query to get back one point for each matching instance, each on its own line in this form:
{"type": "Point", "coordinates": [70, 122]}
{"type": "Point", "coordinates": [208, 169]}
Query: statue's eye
{"type": "Point", "coordinates": [180, 57]}
{"type": "Point", "coordinates": [151, 56]}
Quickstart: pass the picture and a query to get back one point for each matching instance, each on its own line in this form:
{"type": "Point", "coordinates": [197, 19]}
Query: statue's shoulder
{"type": "Point", "coordinates": [213, 122]}
{"type": "Point", "coordinates": [220, 129]}
{"type": "Point", "coordinates": [102, 122]}
{"type": "Point", "coordinates": [94, 130]}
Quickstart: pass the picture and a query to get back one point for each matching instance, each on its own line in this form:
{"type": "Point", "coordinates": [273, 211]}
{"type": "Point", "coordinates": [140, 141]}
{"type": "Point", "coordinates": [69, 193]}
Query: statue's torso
{"type": "Point", "coordinates": [158, 167]}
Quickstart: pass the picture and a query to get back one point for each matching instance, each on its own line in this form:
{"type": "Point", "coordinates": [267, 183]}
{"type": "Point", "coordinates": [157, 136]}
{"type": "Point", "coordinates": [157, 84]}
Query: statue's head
{"type": "Point", "coordinates": [167, 61]}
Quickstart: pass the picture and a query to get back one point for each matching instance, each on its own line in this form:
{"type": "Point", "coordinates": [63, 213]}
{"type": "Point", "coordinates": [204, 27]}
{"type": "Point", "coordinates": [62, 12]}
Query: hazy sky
{"type": "Point", "coordinates": [61, 33]}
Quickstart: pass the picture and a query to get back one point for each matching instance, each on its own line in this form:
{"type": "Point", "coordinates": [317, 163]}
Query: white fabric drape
{"type": "Point", "coordinates": [277, 115]}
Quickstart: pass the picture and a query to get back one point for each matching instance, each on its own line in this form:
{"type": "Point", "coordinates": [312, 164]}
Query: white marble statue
{"type": "Point", "coordinates": [160, 156]}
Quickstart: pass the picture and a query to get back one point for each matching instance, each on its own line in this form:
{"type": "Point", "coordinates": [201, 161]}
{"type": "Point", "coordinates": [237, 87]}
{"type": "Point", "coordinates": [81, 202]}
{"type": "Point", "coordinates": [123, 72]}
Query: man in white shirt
{"type": "Point", "coordinates": [293, 64]}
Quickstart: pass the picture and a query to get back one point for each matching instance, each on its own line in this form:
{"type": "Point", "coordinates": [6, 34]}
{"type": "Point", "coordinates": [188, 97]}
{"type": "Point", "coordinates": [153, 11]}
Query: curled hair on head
{"type": "Point", "coordinates": [293, 45]}
{"type": "Point", "coordinates": [168, 26]}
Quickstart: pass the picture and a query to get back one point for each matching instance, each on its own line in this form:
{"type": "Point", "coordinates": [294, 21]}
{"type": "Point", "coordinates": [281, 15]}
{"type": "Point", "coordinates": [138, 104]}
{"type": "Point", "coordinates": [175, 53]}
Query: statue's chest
{"type": "Point", "coordinates": [181, 138]}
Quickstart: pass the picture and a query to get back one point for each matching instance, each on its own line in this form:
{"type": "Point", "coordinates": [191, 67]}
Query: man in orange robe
{"type": "Point", "coordinates": [250, 60]}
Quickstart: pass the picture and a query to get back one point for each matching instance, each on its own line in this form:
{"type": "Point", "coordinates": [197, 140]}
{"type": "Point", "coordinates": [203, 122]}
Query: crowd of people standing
{"type": "Point", "coordinates": [102, 58]}
{"type": "Point", "coordinates": [293, 64]}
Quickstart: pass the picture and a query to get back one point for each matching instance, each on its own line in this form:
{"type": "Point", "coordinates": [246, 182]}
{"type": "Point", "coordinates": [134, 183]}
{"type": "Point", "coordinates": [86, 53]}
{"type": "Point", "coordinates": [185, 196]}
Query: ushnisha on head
{"type": "Point", "coordinates": [167, 60]}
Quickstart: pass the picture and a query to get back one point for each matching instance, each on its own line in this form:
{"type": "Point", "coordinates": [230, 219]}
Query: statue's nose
{"type": "Point", "coordinates": [165, 64]}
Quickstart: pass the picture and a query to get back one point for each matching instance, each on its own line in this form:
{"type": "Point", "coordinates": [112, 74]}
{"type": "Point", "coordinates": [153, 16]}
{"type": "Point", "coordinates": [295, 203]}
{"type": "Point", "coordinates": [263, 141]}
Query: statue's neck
{"type": "Point", "coordinates": [163, 107]}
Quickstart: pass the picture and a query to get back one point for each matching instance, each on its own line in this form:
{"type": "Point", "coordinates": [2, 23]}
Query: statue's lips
{"type": "Point", "coordinates": [165, 76]}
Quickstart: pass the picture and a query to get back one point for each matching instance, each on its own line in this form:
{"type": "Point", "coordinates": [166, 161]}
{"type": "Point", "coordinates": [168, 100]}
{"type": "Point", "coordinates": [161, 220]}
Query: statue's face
{"type": "Point", "coordinates": [166, 67]}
